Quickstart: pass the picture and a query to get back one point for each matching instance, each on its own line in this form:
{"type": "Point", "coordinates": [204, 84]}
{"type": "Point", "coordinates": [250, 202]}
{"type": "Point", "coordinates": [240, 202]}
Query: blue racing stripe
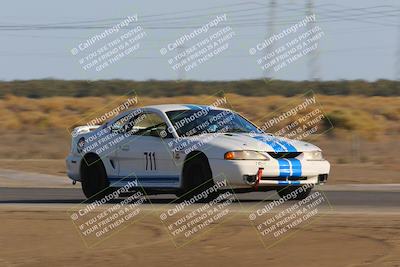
{"type": "Point", "coordinates": [288, 182]}
{"type": "Point", "coordinates": [284, 168]}
{"type": "Point", "coordinates": [155, 179]}
{"type": "Point", "coordinates": [288, 145]}
{"type": "Point", "coordinates": [194, 107]}
{"type": "Point", "coordinates": [296, 167]}
{"type": "Point", "coordinates": [276, 144]}
{"type": "Point", "coordinates": [287, 167]}
{"type": "Point", "coordinates": [269, 140]}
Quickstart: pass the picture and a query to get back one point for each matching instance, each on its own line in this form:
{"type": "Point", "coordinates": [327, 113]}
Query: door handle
{"type": "Point", "coordinates": [124, 147]}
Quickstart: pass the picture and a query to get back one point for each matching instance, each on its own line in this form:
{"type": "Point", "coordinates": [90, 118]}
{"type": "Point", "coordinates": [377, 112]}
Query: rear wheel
{"type": "Point", "coordinates": [93, 177]}
{"type": "Point", "coordinates": [197, 177]}
{"type": "Point", "coordinates": [300, 194]}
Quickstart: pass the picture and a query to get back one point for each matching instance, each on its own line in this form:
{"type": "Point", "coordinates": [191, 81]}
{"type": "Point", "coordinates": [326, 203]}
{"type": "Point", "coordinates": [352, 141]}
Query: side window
{"type": "Point", "coordinates": [149, 120]}
{"type": "Point", "coordinates": [126, 123]}
{"type": "Point", "coordinates": [149, 124]}
{"type": "Point", "coordinates": [146, 124]}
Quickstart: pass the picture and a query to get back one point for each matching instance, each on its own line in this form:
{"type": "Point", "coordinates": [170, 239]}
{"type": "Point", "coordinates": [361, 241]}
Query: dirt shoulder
{"type": "Point", "coordinates": [46, 237]}
{"type": "Point", "coordinates": [45, 166]}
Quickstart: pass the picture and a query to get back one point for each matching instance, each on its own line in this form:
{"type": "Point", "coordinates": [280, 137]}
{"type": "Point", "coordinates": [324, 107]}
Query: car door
{"type": "Point", "coordinates": [144, 154]}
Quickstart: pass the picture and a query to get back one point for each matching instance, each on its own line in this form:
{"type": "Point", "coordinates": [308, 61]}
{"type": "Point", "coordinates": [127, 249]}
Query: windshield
{"type": "Point", "coordinates": [195, 122]}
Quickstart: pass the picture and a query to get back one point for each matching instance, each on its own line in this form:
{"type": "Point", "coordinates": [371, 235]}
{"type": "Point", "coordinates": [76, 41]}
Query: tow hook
{"type": "Point", "coordinates": [258, 178]}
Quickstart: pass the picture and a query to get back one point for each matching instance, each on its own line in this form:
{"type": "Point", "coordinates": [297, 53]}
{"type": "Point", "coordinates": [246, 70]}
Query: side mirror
{"type": "Point", "coordinates": [155, 132]}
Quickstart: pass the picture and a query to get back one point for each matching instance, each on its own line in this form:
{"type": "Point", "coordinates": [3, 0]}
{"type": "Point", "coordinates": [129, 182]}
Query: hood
{"type": "Point", "coordinates": [259, 142]}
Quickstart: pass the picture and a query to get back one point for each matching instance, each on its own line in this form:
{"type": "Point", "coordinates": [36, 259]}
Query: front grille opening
{"type": "Point", "coordinates": [285, 155]}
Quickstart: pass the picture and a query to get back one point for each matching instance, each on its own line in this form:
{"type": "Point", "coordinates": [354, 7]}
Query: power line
{"type": "Point", "coordinates": [252, 22]}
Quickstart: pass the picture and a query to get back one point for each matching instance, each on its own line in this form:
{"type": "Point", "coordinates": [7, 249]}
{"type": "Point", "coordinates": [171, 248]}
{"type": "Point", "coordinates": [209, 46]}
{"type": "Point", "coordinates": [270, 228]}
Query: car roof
{"type": "Point", "coordinates": [172, 107]}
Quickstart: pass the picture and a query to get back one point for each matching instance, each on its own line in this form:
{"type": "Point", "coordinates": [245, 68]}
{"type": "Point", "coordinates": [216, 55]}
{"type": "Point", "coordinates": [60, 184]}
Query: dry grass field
{"type": "Point", "coordinates": [363, 141]}
{"type": "Point", "coordinates": [367, 116]}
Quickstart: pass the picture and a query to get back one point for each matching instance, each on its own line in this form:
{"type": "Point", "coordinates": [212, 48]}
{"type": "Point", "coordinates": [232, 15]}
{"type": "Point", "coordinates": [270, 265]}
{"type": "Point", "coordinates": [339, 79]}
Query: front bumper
{"type": "Point", "coordinates": [273, 173]}
{"type": "Point", "coordinates": [73, 162]}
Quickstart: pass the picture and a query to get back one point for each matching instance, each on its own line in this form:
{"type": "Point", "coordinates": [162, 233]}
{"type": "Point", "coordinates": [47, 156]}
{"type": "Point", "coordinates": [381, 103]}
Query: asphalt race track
{"type": "Point", "coordinates": [356, 200]}
{"type": "Point", "coordinates": [24, 188]}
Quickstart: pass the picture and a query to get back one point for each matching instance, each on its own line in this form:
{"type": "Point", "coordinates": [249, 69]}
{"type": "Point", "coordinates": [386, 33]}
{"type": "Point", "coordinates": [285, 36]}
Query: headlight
{"type": "Point", "coordinates": [313, 155]}
{"type": "Point", "coordinates": [245, 155]}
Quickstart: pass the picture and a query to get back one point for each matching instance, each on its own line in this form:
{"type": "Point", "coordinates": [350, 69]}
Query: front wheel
{"type": "Point", "coordinates": [197, 178]}
{"type": "Point", "coordinates": [298, 194]}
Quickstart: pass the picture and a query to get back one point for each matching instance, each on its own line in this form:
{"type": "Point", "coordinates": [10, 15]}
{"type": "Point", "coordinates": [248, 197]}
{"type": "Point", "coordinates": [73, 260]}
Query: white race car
{"type": "Point", "coordinates": [177, 148]}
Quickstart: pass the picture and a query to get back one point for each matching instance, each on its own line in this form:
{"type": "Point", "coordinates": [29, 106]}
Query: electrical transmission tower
{"type": "Point", "coordinates": [397, 66]}
{"type": "Point", "coordinates": [181, 71]}
{"type": "Point", "coordinates": [270, 32]}
{"type": "Point", "coordinates": [313, 57]}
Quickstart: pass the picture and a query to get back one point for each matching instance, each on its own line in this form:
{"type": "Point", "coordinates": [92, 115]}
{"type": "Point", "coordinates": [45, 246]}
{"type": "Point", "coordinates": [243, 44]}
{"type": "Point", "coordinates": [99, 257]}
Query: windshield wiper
{"type": "Point", "coordinates": [236, 130]}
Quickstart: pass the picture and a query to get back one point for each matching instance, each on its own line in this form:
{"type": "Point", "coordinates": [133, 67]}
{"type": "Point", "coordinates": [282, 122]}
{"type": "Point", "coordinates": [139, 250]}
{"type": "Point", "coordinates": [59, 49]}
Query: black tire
{"type": "Point", "coordinates": [299, 196]}
{"type": "Point", "coordinates": [197, 177]}
{"type": "Point", "coordinates": [94, 177]}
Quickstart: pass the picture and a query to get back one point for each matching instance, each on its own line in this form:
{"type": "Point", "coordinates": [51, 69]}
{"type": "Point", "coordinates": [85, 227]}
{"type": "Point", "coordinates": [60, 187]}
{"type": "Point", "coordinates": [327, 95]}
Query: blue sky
{"type": "Point", "coordinates": [361, 38]}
